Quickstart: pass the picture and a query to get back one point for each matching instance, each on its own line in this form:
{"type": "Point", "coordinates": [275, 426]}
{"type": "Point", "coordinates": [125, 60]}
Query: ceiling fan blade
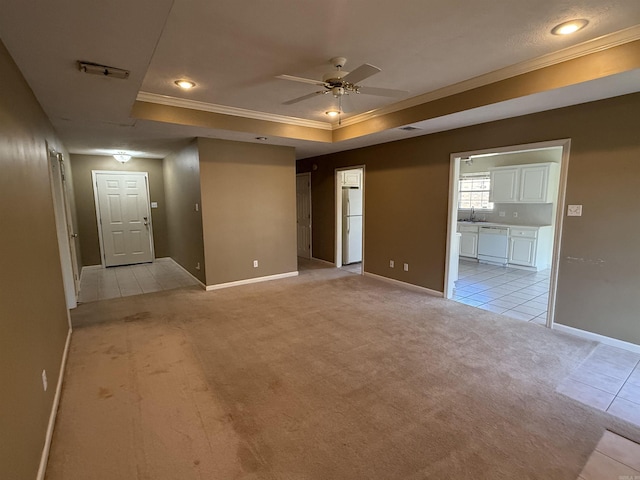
{"type": "Point", "coordinates": [362, 72]}
{"type": "Point", "coordinates": [302, 80]}
{"type": "Point", "coordinates": [382, 92]}
{"type": "Point", "coordinates": [304, 97]}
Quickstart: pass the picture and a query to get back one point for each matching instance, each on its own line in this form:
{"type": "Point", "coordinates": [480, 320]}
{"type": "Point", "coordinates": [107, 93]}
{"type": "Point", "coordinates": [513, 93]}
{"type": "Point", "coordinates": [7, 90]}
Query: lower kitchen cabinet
{"type": "Point", "coordinates": [468, 241]}
{"type": "Point", "coordinates": [522, 251]}
{"type": "Point", "coordinates": [530, 247]}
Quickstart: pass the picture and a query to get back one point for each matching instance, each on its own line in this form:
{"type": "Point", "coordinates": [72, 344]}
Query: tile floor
{"type": "Point", "coordinates": [609, 380]}
{"type": "Point", "coordinates": [353, 268]}
{"type": "Point", "coordinates": [516, 293]}
{"type": "Point", "coordinates": [615, 458]}
{"type": "Point", "coordinates": [98, 283]}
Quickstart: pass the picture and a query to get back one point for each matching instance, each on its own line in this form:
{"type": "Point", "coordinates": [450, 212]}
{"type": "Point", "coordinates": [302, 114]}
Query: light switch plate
{"type": "Point", "coordinates": [574, 210]}
{"type": "Point", "coordinates": [154, 204]}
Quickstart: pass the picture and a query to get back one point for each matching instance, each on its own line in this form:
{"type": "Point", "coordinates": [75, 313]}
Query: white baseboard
{"type": "Point", "coordinates": [410, 286]}
{"type": "Point", "coordinates": [614, 342]}
{"type": "Point", "coordinates": [184, 270]}
{"type": "Point", "coordinates": [323, 261]}
{"type": "Point", "coordinates": [251, 280]}
{"type": "Point", "coordinates": [54, 412]}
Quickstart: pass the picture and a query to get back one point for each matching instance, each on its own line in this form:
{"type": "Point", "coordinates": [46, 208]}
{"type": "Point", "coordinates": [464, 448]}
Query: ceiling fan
{"type": "Point", "coordinates": [340, 83]}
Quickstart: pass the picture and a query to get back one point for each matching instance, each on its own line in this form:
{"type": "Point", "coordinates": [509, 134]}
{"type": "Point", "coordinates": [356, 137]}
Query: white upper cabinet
{"type": "Point", "coordinates": [504, 185]}
{"type": "Point", "coordinates": [524, 183]}
{"type": "Point", "coordinates": [351, 178]}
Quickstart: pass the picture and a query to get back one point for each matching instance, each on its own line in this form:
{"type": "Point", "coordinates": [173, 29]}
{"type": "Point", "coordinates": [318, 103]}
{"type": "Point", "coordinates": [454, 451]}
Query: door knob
{"type": "Point", "coordinates": [74, 235]}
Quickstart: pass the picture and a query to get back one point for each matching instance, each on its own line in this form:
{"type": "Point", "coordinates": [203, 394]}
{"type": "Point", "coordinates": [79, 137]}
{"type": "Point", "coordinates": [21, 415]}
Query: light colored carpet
{"type": "Point", "coordinates": [328, 375]}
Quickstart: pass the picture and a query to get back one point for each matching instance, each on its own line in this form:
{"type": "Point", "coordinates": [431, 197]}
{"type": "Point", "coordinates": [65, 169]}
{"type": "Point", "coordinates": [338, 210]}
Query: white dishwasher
{"type": "Point", "coordinates": [493, 244]}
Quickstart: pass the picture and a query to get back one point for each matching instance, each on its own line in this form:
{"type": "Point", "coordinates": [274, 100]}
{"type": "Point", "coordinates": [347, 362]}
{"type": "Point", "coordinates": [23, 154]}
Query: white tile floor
{"type": "Point", "coordinates": [609, 380]}
{"type": "Point", "coordinates": [516, 293]}
{"type": "Point", "coordinates": [98, 283]}
{"type": "Point", "coordinates": [615, 457]}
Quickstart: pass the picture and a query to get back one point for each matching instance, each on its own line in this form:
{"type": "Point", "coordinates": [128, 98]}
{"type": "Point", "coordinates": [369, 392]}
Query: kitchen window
{"type": "Point", "coordinates": [473, 191]}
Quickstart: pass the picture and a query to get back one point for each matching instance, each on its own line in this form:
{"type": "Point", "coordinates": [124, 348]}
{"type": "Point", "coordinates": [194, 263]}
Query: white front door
{"type": "Point", "coordinates": [123, 217]}
{"type": "Point", "coordinates": [303, 214]}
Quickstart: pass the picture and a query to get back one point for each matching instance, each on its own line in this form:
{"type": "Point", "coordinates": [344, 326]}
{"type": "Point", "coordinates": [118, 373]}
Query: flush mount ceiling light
{"type": "Point", "coordinates": [332, 113]}
{"type": "Point", "coordinates": [569, 27]}
{"type": "Point", "coordinates": [122, 157]}
{"type": "Point", "coordinates": [185, 84]}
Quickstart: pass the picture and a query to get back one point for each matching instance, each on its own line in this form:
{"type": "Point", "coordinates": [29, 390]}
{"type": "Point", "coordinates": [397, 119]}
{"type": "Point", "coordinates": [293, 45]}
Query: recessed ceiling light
{"type": "Point", "coordinates": [333, 113]}
{"type": "Point", "coordinates": [185, 84]}
{"type": "Point", "coordinates": [569, 27]}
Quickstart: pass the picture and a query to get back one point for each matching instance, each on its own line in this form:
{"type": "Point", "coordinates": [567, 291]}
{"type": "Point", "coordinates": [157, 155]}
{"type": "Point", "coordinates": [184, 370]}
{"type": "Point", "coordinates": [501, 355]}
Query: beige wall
{"type": "Point", "coordinates": [184, 223]}
{"type": "Point", "coordinates": [33, 316]}
{"type": "Point", "coordinates": [81, 166]}
{"type": "Point", "coordinates": [406, 199]}
{"type": "Point", "coordinates": [248, 209]}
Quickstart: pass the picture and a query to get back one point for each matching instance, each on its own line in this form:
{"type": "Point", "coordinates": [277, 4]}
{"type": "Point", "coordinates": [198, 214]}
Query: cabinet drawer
{"type": "Point", "coordinates": [523, 232]}
{"type": "Point", "coordinates": [468, 228]}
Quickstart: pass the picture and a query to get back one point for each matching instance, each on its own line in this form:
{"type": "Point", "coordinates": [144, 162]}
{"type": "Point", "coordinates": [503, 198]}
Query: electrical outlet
{"type": "Point", "coordinates": [45, 384]}
{"type": "Point", "coordinates": [255, 264]}
{"type": "Point", "coordinates": [502, 214]}
{"type": "Point", "coordinates": [198, 266]}
{"type": "Point", "coordinates": [391, 264]}
{"type": "Point", "coordinates": [406, 267]}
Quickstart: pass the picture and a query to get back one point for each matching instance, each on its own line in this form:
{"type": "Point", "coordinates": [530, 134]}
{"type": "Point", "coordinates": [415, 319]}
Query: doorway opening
{"type": "Point", "coordinates": [303, 214]}
{"type": "Point", "coordinates": [350, 219]}
{"type": "Point", "coordinates": [504, 229]}
{"type": "Point", "coordinates": [64, 229]}
{"type": "Point", "coordinates": [124, 217]}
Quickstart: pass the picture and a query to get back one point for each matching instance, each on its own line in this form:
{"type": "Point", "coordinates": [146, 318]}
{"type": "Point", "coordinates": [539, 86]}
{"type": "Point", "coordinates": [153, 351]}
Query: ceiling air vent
{"type": "Point", "coordinates": [104, 70]}
{"type": "Point", "coordinates": [409, 128]}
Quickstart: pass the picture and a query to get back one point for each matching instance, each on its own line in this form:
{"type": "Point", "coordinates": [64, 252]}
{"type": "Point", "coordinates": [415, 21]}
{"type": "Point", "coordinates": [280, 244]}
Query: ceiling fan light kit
{"type": "Point", "coordinates": [339, 82]}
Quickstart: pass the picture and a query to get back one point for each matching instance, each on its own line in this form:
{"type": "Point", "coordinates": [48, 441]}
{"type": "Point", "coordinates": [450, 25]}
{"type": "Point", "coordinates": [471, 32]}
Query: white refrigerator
{"type": "Point", "coordinates": [351, 225]}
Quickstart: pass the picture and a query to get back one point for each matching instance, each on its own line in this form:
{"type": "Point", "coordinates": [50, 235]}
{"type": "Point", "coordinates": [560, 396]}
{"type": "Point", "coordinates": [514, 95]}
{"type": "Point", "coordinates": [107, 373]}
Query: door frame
{"type": "Point", "coordinates": [558, 221]}
{"type": "Point", "coordinates": [338, 212]}
{"type": "Point", "coordinates": [308, 175]}
{"type": "Point", "coordinates": [62, 222]}
{"type": "Point", "coordinates": [94, 174]}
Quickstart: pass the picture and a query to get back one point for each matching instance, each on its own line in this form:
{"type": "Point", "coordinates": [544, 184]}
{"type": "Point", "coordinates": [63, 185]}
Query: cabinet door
{"type": "Point", "coordinates": [351, 179]}
{"type": "Point", "coordinates": [469, 245]}
{"type": "Point", "coordinates": [534, 181]}
{"type": "Point", "coordinates": [522, 251]}
{"type": "Point", "coordinates": [504, 185]}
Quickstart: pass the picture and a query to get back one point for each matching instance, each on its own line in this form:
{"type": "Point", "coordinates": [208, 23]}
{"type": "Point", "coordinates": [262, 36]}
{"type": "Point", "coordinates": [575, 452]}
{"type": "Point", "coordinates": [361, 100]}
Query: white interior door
{"type": "Point", "coordinates": [303, 214]}
{"type": "Point", "coordinates": [124, 217]}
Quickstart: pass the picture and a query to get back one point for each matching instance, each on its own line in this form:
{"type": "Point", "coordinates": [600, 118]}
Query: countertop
{"type": "Point", "coordinates": [493, 224]}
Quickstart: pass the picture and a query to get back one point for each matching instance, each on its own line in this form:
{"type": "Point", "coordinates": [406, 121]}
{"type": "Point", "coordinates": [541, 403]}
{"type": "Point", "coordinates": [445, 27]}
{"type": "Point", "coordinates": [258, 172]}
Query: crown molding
{"type": "Point", "coordinates": [570, 53]}
{"type": "Point", "coordinates": [225, 110]}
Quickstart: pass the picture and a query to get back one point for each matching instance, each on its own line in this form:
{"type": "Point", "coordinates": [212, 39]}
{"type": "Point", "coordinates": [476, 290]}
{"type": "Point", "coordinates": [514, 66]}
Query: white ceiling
{"type": "Point", "coordinates": [233, 50]}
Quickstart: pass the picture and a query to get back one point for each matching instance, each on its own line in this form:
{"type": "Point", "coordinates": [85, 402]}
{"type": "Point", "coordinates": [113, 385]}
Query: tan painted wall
{"type": "Point", "coordinates": [406, 199]}
{"type": "Point", "coordinates": [184, 223]}
{"type": "Point", "coordinates": [81, 166]}
{"type": "Point", "coordinates": [248, 209]}
{"type": "Point", "coordinates": [33, 316]}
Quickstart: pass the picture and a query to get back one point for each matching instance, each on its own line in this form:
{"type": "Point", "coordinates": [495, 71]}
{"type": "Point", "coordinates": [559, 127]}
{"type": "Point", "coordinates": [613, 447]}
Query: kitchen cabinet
{"type": "Point", "coordinates": [468, 241]}
{"type": "Point", "coordinates": [530, 247]}
{"type": "Point", "coordinates": [351, 179]}
{"type": "Point", "coordinates": [532, 183]}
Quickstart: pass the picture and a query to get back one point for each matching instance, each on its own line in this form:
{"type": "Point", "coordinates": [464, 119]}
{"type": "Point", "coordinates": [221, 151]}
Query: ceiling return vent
{"type": "Point", "coordinates": [103, 70]}
{"type": "Point", "coordinates": [409, 128]}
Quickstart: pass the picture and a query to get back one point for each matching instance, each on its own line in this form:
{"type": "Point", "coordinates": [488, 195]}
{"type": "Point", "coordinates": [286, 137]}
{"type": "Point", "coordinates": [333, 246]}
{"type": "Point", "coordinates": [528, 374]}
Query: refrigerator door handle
{"type": "Point", "coordinates": [348, 225]}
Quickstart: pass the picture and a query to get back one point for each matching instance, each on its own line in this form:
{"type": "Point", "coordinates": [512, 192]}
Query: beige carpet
{"type": "Point", "coordinates": [328, 375]}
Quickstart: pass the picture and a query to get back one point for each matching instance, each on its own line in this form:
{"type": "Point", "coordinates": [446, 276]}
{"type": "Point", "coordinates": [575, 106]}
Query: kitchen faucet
{"type": "Point", "coordinates": [472, 217]}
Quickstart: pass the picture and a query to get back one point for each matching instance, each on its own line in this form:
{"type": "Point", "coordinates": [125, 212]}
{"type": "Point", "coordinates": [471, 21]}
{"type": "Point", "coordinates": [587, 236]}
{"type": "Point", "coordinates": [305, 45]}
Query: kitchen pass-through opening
{"type": "Point", "coordinates": [505, 218]}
